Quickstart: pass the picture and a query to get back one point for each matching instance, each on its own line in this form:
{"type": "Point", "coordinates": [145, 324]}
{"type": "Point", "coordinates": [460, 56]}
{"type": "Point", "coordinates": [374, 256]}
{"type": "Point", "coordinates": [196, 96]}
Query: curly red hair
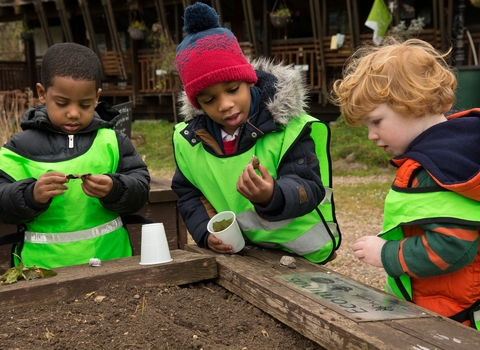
{"type": "Point", "coordinates": [411, 77]}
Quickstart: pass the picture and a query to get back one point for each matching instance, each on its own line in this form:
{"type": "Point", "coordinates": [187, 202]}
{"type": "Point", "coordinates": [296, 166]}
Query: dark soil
{"type": "Point", "coordinates": [124, 316]}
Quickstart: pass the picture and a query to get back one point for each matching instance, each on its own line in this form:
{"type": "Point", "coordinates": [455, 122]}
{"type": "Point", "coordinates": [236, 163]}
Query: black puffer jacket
{"type": "Point", "coordinates": [42, 141]}
{"type": "Point", "coordinates": [282, 97]}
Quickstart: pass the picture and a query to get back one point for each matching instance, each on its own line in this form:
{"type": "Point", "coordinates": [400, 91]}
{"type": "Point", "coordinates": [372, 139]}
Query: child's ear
{"type": "Point", "coordinates": [41, 92]}
{"type": "Point", "coordinates": [99, 91]}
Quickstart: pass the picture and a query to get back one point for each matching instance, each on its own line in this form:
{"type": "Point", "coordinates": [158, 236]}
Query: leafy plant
{"type": "Point", "coordinates": [164, 55]}
{"type": "Point", "coordinates": [281, 12]}
{"type": "Point", "coordinates": [20, 271]}
{"type": "Point", "coordinates": [415, 26]}
{"type": "Point", "coordinates": [140, 25]}
{"type": "Point", "coordinates": [26, 29]}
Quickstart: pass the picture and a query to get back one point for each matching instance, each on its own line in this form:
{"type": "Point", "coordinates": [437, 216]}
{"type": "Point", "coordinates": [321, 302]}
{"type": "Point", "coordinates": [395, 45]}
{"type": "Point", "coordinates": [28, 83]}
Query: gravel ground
{"type": "Point", "coordinates": [353, 225]}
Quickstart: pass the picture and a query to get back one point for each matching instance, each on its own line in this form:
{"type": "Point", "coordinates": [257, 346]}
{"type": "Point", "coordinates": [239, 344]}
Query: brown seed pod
{"type": "Point", "coordinates": [255, 162]}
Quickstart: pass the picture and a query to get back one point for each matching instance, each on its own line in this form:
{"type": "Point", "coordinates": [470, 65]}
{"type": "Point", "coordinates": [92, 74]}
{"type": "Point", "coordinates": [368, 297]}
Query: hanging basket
{"type": "Point", "coordinates": [136, 34]}
{"type": "Point", "coordinates": [26, 35]}
{"type": "Point", "coordinates": [475, 3]}
{"type": "Point", "coordinates": [280, 21]}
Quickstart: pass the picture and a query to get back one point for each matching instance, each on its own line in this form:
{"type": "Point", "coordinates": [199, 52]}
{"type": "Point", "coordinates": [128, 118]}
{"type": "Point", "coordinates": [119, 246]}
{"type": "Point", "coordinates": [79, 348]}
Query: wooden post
{"type": "Point", "coordinates": [62, 12]}
{"type": "Point", "coordinates": [107, 5]}
{"type": "Point", "coordinates": [186, 3]}
{"type": "Point", "coordinates": [354, 30]}
{"type": "Point", "coordinates": [135, 70]}
{"type": "Point", "coordinates": [218, 7]}
{"type": "Point", "coordinates": [162, 16]}
{"type": "Point", "coordinates": [43, 21]}
{"type": "Point", "coordinates": [248, 15]}
{"type": "Point", "coordinates": [450, 20]}
{"type": "Point", "coordinates": [87, 19]}
{"type": "Point", "coordinates": [443, 36]}
{"type": "Point", "coordinates": [31, 64]}
{"type": "Point", "coordinates": [318, 37]}
{"type": "Point", "coordinates": [267, 37]}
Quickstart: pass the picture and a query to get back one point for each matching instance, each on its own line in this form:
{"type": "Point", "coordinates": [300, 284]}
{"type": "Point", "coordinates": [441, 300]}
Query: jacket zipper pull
{"type": "Point", "coordinates": [70, 141]}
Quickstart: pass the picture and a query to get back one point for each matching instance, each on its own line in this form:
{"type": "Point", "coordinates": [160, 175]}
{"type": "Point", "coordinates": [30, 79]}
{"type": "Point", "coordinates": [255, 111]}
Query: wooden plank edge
{"type": "Point", "coordinates": [328, 328]}
{"type": "Point", "coordinates": [186, 267]}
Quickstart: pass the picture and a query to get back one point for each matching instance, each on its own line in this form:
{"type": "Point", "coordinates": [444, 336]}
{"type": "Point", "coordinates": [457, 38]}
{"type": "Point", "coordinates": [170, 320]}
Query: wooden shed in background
{"type": "Point", "coordinates": [134, 69]}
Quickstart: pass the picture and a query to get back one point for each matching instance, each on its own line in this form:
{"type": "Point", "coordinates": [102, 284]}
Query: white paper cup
{"type": "Point", "coordinates": [232, 234]}
{"type": "Point", "coordinates": [154, 248]}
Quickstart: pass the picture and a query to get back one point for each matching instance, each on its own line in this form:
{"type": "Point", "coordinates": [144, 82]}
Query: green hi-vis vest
{"type": "Point", "coordinates": [314, 235]}
{"type": "Point", "coordinates": [76, 227]}
{"type": "Point", "coordinates": [424, 207]}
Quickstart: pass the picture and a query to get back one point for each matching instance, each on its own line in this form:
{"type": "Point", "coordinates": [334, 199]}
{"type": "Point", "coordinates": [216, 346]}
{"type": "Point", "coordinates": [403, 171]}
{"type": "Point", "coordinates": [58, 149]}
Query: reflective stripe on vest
{"type": "Point", "coordinates": [65, 237]}
{"type": "Point", "coordinates": [476, 320]}
{"type": "Point", "coordinates": [310, 241]}
{"type": "Point", "coordinates": [270, 151]}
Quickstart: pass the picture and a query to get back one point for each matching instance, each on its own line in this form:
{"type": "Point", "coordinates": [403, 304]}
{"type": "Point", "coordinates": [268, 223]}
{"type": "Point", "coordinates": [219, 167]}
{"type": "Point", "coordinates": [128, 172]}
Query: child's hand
{"type": "Point", "coordinates": [49, 185]}
{"type": "Point", "coordinates": [97, 186]}
{"type": "Point", "coordinates": [369, 250]}
{"type": "Point", "coordinates": [217, 245]}
{"type": "Point", "coordinates": [255, 188]}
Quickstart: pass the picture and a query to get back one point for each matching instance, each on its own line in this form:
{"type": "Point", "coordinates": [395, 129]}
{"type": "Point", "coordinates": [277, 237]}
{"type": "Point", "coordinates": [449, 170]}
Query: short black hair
{"type": "Point", "coordinates": [70, 60]}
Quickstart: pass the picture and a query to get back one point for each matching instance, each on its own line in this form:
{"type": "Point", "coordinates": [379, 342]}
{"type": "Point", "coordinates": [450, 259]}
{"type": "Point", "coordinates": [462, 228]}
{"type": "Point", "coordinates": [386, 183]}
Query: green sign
{"type": "Point", "coordinates": [352, 299]}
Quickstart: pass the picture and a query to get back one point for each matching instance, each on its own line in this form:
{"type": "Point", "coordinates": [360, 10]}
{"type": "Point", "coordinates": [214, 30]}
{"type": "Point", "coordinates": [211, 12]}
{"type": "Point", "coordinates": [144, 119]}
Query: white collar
{"type": "Point", "coordinates": [228, 137]}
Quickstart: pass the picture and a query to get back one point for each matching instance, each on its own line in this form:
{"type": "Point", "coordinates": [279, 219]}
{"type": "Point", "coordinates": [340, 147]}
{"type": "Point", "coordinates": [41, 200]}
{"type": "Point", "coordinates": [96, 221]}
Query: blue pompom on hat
{"type": "Point", "coordinates": [209, 54]}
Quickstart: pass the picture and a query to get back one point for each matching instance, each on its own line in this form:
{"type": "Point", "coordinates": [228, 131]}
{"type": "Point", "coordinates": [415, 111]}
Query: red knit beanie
{"type": "Point", "coordinates": [209, 54]}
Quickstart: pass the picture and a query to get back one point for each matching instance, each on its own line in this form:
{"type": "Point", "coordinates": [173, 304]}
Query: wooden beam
{"type": "Point", "coordinates": [62, 12]}
{"type": "Point", "coordinates": [253, 274]}
{"type": "Point", "coordinates": [443, 34]}
{"type": "Point", "coordinates": [185, 268]}
{"type": "Point", "coordinates": [450, 21]}
{"type": "Point", "coordinates": [178, 24]}
{"type": "Point", "coordinates": [318, 37]}
{"type": "Point", "coordinates": [162, 16]}
{"type": "Point", "coordinates": [218, 7]}
{"type": "Point", "coordinates": [350, 20]}
{"type": "Point", "coordinates": [87, 19]}
{"type": "Point", "coordinates": [355, 31]}
{"type": "Point", "coordinates": [267, 32]}
{"type": "Point", "coordinates": [107, 5]}
{"type": "Point", "coordinates": [43, 21]}
{"type": "Point", "coordinates": [248, 15]}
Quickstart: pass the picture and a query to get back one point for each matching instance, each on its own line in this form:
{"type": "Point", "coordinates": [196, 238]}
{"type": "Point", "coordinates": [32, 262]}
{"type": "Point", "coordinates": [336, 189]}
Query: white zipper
{"type": "Point", "coordinates": [70, 141]}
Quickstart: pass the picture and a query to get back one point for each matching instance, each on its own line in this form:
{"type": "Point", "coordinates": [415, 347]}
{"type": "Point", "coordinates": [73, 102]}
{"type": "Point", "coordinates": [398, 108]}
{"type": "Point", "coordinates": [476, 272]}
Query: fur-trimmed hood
{"type": "Point", "coordinates": [283, 90]}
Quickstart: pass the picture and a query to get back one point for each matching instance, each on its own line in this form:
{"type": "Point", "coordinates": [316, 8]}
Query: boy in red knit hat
{"type": "Point", "coordinates": [429, 244]}
{"type": "Point", "coordinates": [234, 110]}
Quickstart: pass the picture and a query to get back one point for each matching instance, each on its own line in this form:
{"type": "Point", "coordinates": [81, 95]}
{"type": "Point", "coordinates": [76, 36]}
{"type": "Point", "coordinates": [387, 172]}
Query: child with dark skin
{"type": "Point", "coordinates": [429, 246]}
{"type": "Point", "coordinates": [74, 218]}
{"type": "Point", "coordinates": [234, 110]}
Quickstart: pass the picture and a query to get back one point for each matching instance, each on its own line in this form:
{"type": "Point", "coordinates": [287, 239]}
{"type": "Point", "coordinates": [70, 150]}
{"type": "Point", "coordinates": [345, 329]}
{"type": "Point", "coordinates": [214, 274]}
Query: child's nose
{"type": "Point", "coordinates": [225, 104]}
{"type": "Point", "coordinates": [73, 113]}
{"type": "Point", "coordinates": [372, 136]}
